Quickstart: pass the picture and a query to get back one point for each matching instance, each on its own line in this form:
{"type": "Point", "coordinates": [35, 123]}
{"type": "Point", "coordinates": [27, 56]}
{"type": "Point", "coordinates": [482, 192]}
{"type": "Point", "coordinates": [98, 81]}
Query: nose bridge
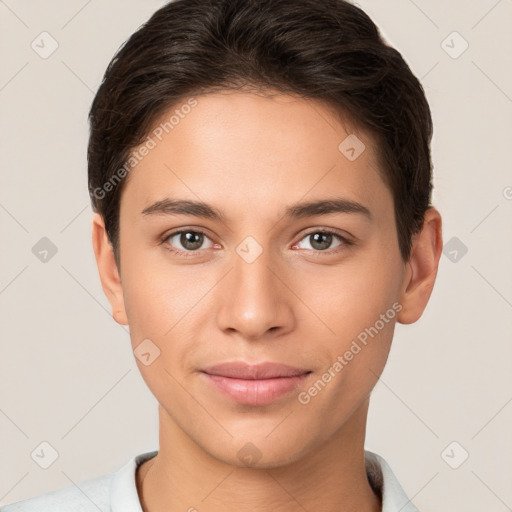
{"type": "Point", "coordinates": [253, 299]}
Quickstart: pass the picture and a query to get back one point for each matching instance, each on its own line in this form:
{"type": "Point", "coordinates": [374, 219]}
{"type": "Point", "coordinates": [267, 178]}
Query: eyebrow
{"type": "Point", "coordinates": [170, 206]}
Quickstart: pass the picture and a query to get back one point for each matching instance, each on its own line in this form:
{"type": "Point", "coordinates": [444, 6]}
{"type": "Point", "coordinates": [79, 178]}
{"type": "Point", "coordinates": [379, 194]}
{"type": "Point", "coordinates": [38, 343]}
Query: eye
{"type": "Point", "coordinates": [322, 240]}
{"type": "Point", "coordinates": [190, 241]}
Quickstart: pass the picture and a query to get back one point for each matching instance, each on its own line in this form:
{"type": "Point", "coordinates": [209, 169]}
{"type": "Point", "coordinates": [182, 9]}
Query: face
{"type": "Point", "coordinates": [291, 258]}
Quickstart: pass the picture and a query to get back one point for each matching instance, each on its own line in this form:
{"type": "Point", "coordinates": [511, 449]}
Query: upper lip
{"type": "Point", "coordinates": [242, 370]}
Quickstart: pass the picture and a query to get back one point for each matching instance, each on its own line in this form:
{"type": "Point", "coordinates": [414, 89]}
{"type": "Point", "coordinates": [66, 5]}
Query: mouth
{"type": "Point", "coordinates": [254, 384]}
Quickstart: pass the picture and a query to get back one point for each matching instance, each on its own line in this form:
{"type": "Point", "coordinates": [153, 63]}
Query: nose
{"type": "Point", "coordinates": [255, 300]}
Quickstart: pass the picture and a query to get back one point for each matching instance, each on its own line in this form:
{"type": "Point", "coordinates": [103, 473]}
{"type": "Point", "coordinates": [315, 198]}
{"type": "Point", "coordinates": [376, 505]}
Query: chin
{"type": "Point", "coordinates": [259, 451]}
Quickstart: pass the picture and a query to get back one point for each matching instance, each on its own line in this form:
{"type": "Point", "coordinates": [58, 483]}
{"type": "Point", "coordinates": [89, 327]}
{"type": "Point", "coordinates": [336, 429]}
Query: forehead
{"type": "Point", "coordinates": [255, 150]}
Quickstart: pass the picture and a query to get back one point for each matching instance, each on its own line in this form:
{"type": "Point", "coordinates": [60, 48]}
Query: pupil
{"type": "Point", "coordinates": [191, 240]}
{"type": "Point", "coordinates": [321, 240]}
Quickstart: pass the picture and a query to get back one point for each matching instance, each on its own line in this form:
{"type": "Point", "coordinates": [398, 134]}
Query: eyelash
{"type": "Point", "coordinates": [345, 242]}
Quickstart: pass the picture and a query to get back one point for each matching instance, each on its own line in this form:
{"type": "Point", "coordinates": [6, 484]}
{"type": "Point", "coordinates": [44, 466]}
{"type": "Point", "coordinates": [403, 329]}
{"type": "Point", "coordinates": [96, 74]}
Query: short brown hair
{"type": "Point", "coordinates": [327, 50]}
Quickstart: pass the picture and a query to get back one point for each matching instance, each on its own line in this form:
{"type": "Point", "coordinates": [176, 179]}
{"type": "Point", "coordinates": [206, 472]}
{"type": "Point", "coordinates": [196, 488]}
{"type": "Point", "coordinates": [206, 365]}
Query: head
{"type": "Point", "coordinates": [295, 146]}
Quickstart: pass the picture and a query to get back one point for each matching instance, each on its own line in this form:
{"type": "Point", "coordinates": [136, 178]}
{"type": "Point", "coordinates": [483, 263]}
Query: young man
{"type": "Point", "coordinates": [261, 176]}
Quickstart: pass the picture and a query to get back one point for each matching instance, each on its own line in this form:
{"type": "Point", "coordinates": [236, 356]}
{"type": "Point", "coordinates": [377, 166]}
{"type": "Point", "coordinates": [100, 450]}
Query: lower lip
{"type": "Point", "coordinates": [255, 392]}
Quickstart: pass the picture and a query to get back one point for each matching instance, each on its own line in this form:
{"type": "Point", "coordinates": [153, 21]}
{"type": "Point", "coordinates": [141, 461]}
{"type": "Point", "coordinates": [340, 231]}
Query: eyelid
{"type": "Point", "coordinates": [332, 231]}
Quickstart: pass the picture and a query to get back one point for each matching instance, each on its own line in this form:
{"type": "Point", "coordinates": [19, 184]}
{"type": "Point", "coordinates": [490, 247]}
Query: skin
{"type": "Point", "coordinates": [251, 156]}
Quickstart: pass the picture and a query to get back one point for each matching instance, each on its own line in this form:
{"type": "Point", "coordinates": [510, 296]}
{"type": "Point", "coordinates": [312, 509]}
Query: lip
{"type": "Point", "coordinates": [255, 384]}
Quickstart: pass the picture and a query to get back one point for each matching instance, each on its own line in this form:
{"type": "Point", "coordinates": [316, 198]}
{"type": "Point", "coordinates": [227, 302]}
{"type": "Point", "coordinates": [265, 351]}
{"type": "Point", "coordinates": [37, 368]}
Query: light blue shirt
{"type": "Point", "coordinates": [117, 492]}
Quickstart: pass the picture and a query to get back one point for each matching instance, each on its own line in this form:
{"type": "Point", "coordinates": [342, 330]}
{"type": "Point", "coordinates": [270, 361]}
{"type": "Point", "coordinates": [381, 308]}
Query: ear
{"type": "Point", "coordinates": [421, 268]}
{"type": "Point", "coordinates": [107, 268]}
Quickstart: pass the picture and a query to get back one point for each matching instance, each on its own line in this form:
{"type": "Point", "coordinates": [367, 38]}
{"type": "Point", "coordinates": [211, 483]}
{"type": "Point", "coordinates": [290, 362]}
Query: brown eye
{"type": "Point", "coordinates": [322, 240]}
{"type": "Point", "coordinates": [183, 241]}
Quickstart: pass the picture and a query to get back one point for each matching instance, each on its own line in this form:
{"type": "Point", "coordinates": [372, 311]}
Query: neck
{"type": "Point", "coordinates": [183, 477]}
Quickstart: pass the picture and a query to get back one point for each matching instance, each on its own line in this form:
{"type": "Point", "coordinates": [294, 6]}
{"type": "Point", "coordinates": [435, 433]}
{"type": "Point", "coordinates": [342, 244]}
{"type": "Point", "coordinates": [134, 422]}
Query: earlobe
{"type": "Point", "coordinates": [108, 271]}
{"type": "Point", "coordinates": [422, 268]}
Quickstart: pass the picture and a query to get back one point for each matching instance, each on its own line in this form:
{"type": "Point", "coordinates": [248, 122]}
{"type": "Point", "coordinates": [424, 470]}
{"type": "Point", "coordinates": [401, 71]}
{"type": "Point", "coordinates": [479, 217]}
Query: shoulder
{"type": "Point", "coordinates": [106, 493]}
{"type": "Point", "coordinates": [91, 495]}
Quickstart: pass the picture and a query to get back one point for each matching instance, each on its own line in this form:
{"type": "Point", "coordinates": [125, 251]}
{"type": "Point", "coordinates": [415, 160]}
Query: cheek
{"type": "Point", "coordinates": [353, 296]}
{"type": "Point", "coordinates": [166, 305]}
{"type": "Point", "coordinates": [359, 304]}
{"type": "Point", "coordinates": [156, 295]}
{"type": "Point", "coordinates": [147, 306]}
{"type": "Point", "coordinates": [156, 315]}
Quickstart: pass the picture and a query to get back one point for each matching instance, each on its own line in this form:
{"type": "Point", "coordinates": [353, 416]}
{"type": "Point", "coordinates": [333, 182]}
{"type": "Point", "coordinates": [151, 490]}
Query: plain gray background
{"type": "Point", "coordinates": [67, 373]}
